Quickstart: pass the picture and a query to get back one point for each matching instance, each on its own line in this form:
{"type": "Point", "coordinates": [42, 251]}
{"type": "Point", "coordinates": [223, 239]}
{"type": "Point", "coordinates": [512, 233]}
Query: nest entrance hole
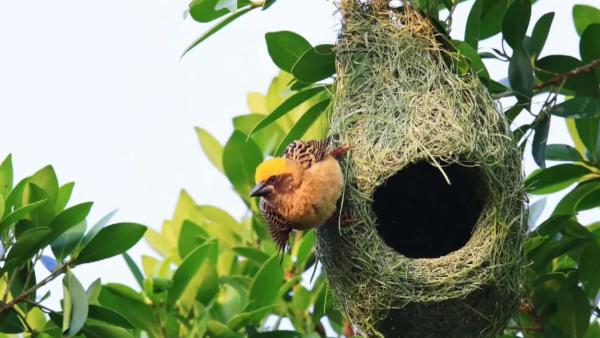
{"type": "Point", "coordinates": [420, 215]}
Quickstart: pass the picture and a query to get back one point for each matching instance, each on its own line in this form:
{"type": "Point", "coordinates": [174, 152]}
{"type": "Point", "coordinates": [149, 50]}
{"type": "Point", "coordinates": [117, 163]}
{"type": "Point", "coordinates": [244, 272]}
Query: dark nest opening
{"type": "Point", "coordinates": [420, 215]}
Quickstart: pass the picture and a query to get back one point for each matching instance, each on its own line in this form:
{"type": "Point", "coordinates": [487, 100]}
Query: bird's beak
{"type": "Point", "coordinates": [261, 189]}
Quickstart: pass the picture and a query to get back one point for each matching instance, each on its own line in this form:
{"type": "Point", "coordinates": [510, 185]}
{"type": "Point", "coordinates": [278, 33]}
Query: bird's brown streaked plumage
{"type": "Point", "coordinates": [299, 191]}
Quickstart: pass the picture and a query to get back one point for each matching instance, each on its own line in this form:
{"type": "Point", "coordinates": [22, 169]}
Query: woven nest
{"type": "Point", "coordinates": [433, 184]}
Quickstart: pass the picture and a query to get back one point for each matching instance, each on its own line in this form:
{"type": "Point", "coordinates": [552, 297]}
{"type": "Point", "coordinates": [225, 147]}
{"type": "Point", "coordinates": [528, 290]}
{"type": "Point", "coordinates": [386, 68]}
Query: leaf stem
{"type": "Point", "coordinates": [563, 77]}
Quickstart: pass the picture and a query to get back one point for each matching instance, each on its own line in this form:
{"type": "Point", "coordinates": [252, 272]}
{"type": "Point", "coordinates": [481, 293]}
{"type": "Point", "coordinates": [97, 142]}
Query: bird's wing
{"type": "Point", "coordinates": [279, 228]}
{"type": "Point", "coordinates": [307, 153]}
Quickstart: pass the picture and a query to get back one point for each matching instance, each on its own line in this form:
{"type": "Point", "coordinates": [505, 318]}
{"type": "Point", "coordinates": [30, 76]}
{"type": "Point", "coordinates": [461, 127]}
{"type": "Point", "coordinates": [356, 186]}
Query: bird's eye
{"type": "Point", "coordinates": [271, 179]}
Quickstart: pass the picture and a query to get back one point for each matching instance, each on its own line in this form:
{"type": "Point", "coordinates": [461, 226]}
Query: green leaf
{"type": "Point", "coordinates": [27, 245]}
{"type": "Point", "coordinates": [220, 25]}
{"type": "Point", "coordinates": [267, 138]}
{"type": "Point", "coordinates": [588, 269]}
{"type": "Point", "coordinates": [186, 271]}
{"type": "Point", "coordinates": [540, 34]}
{"type": "Point", "coordinates": [540, 139]}
{"type": "Point", "coordinates": [241, 156]}
{"type": "Point", "coordinates": [302, 125]}
{"type": "Point", "coordinates": [135, 270]}
{"type": "Point", "coordinates": [10, 323]}
{"type": "Point", "coordinates": [64, 194]}
{"type": "Point", "coordinates": [265, 285]}
{"type": "Point", "coordinates": [248, 318]}
{"type": "Point", "coordinates": [254, 255]}
{"type": "Point", "coordinates": [69, 218]}
{"type": "Point", "coordinates": [570, 204]}
{"type": "Point", "coordinates": [96, 228]}
{"type": "Point", "coordinates": [593, 330]}
{"type": "Point", "coordinates": [276, 334]}
{"type": "Point", "coordinates": [190, 237]}
{"type": "Point", "coordinates": [206, 10]}
{"type": "Point", "coordinates": [108, 316]}
{"type": "Point", "coordinates": [555, 178]}
{"type": "Point", "coordinates": [6, 176]}
{"type": "Point", "coordinates": [589, 46]}
{"type": "Point", "coordinates": [583, 16]}
{"type": "Point", "coordinates": [520, 75]}
{"type": "Point", "coordinates": [562, 152]}
{"type": "Point", "coordinates": [473, 25]}
{"type": "Point", "coordinates": [68, 241]}
{"type": "Point", "coordinates": [1, 206]}
{"type": "Point", "coordinates": [584, 84]}
{"type": "Point", "coordinates": [211, 147]}
{"type": "Point", "coordinates": [476, 63]}
{"type": "Point", "coordinates": [45, 178]}
{"type": "Point", "coordinates": [515, 22]}
{"type": "Point", "coordinates": [131, 306]}
{"type": "Point", "coordinates": [121, 237]}
{"type": "Point", "coordinates": [20, 214]}
{"type": "Point", "coordinates": [573, 311]}
{"type": "Point", "coordinates": [79, 302]}
{"type": "Point", "coordinates": [288, 105]}
{"type": "Point", "coordinates": [316, 64]}
{"type": "Point", "coordinates": [588, 130]}
{"type": "Point", "coordinates": [219, 330]}
{"type": "Point", "coordinates": [100, 330]}
{"type": "Point", "coordinates": [578, 107]}
{"type": "Point", "coordinates": [491, 18]}
{"type": "Point", "coordinates": [286, 48]}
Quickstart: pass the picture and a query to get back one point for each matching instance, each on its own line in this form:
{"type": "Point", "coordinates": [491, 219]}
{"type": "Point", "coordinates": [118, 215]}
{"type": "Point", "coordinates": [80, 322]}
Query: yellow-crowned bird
{"type": "Point", "coordinates": [300, 190]}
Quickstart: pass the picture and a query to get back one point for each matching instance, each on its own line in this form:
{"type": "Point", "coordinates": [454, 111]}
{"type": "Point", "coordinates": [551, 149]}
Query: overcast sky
{"type": "Point", "coordinates": [97, 89]}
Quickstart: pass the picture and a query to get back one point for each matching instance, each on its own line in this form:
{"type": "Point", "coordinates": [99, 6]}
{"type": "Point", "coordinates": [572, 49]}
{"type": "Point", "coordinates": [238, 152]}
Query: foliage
{"type": "Point", "coordinates": [563, 279]}
{"type": "Point", "coordinates": [38, 228]}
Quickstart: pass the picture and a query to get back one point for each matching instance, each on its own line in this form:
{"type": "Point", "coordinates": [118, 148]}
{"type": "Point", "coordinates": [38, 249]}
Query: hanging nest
{"type": "Point", "coordinates": [433, 184]}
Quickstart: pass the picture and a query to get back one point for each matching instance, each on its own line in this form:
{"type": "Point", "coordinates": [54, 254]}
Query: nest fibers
{"type": "Point", "coordinates": [418, 269]}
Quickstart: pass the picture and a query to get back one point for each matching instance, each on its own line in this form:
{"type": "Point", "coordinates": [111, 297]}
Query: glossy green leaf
{"type": "Point", "coordinates": [588, 130]}
{"type": "Point", "coordinates": [135, 270]}
{"type": "Point", "coordinates": [64, 244]}
{"type": "Point", "coordinates": [573, 311]}
{"type": "Point", "coordinates": [46, 179]}
{"type": "Point", "coordinates": [266, 283]}
{"type": "Point", "coordinates": [588, 269]}
{"type": "Point", "coordinates": [288, 105]}
{"type": "Point", "coordinates": [254, 255]}
{"type": "Point", "coordinates": [584, 84]}
{"type": "Point", "coordinates": [100, 330]}
{"type": "Point", "coordinates": [555, 178]}
{"type": "Point", "coordinates": [64, 194]}
{"type": "Point", "coordinates": [473, 24]}
{"type": "Point", "coordinates": [79, 303]}
{"type": "Point", "coordinates": [247, 318]}
{"type": "Point", "coordinates": [584, 15]}
{"type": "Point", "coordinates": [316, 64]}
{"type": "Point", "coordinates": [492, 14]}
{"type": "Point", "coordinates": [96, 228]}
{"type": "Point", "coordinates": [20, 213]}
{"type": "Point", "coordinates": [515, 22]}
{"type": "Point", "coordinates": [589, 46]}
{"type": "Point", "coordinates": [190, 237]}
{"type": "Point", "coordinates": [131, 306]}
{"type": "Point", "coordinates": [206, 10]}
{"type": "Point", "coordinates": [121, 236]}
{"type": "Point", "coordinates": [540, 139]}
{"type": "Point", "coordinates": [28, 244]}
{"type": "Point", "coordinates": [241, 156]}
{"type": "Point", "coordinates": [68, 219]}
{"type": "Point", "coordinates": [219, 330]}
{"type": "Point", "coordinates": [593, 330]}
{"type": "Point", "coordinates": [302, 125]}
{"type": "Point", "coordinates": [520, 75]}
{"type": "Point", "coordinates": [476, 63]}
{"type": "Point", "coordinates": [570, 203]}
{"type": "Point", "coordinates": [220, 25]}
{"type": "Point", "coordinates": [578, 107]}
{"type": "Point", "coordinates": [10, 323]}
{"type": "Point", "coordinates": [108, 316]}
{"type": "Point", "coordinates": [211, 147]}
{"type": "Point", "coordinates": [6, 176]}
{"type": "Point", "coordinates": [562, 152]}
{"type": "Point", "coordinates": [186, 271]}
{"type": "Point", "coordinates": [286, 48]}
{"type": "Point", "coordinates": [540, 34]}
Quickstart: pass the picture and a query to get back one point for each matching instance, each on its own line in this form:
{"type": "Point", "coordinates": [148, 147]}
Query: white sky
{"type": "Point", "coordinates": [97, 90]}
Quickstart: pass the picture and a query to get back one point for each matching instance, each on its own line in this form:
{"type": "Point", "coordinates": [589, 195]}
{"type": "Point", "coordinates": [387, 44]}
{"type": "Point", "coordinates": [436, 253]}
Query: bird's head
{"type": "Point", "coordinates": [272, 176]}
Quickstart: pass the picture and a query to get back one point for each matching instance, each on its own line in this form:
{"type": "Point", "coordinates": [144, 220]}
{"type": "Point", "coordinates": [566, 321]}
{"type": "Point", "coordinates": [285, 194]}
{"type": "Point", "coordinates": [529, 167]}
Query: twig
{"type": "Point", "coordinates": [22, 297]}
{"type": "Point", "coordinates": [561, 78]}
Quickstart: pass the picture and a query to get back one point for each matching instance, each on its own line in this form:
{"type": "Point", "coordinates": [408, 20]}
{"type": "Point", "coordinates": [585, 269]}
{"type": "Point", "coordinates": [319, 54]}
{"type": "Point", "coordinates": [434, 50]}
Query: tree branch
{"type": "Point", "coordinates": [561, 78]}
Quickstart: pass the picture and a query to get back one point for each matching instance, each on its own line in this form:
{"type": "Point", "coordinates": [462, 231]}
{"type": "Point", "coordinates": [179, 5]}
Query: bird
{"type": "Point", "coordinates": [300, 190]}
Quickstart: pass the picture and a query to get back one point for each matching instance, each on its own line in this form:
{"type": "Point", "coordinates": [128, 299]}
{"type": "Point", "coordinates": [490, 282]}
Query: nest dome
{"type": "Point", "coordinates": [433, 180]}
